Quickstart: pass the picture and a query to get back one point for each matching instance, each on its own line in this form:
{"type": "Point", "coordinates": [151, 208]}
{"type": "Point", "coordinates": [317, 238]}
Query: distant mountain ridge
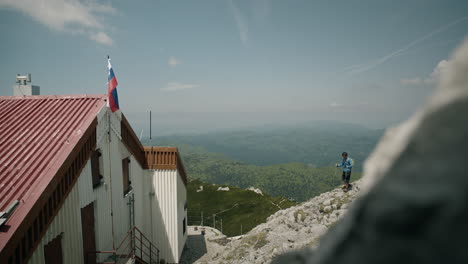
{"type": "Point", "coordinates": [296, 162]}
{"type": "Point", "coordinates": [317, 144]}
{"type": "Point", "coordinates": [296, 181]}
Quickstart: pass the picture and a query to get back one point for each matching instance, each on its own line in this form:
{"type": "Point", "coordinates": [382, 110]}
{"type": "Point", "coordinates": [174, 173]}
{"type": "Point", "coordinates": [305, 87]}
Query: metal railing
{"type": "Point", "coordinates": [134, 245]}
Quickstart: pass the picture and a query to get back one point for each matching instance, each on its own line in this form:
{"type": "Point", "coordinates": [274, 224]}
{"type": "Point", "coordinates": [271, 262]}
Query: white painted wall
{"type": "Point", "coordinates": [181, 214]}
{"type": "Point", "coordinates": [159, 195]}
{"type": "Point", "coordinates": [167, 213]}
{"type": "Point", "coordinates": [113, 151]}
{"type": "Point", "coordinates": [68, 222]}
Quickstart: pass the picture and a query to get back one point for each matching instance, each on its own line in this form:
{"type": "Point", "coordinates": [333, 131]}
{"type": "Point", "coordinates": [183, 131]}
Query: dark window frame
{"type": "Point", "coordinates": [127, 184]}
{"type": "Point", "coordinates": [96, 168]}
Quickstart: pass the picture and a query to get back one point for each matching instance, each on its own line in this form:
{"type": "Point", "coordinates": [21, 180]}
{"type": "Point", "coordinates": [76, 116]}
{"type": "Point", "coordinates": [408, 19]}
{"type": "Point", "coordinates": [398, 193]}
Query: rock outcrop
{"type": "Point", "coordinates": [414, 209]}
{"type": "Point", "coordinates": [297, 227]}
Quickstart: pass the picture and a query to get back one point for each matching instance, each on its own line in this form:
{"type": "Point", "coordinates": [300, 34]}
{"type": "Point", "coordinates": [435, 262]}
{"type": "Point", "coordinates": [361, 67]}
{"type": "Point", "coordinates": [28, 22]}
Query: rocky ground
{"type": "Point", "coordinates": [203, 244]}
{"type": "Point", "coordinates": [293, 228]}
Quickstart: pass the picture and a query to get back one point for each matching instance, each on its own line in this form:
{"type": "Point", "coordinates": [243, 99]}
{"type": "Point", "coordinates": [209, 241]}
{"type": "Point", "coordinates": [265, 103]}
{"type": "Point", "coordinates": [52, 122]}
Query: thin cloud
{"type": "Point", "coordinates": [433, 78]}
{"type": "Point", "coordinates": [173, 62]}
{"type": "Point", "coordinates": [441, 67]}
{"type": "Point", "coordinates": [412, 81]}
{"type": "Point", "coordinates": [102, 38]}
{"type": "Point", "coordinates": [335, 105]}
{"type": "Point", "coordinates": [360, 68]}
{"type": "Point", "coordinates": [354, 106]}
{"type": "Point", "coordinates": [241, 22]}
{"type": "Point", "coordinates": [70, 16]}
{"type": "Point", "coordinates": [176, 86]}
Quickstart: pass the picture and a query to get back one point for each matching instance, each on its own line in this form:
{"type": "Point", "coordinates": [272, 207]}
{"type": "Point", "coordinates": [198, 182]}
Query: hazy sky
{"type": "Point", "coordinates": [224, 63]}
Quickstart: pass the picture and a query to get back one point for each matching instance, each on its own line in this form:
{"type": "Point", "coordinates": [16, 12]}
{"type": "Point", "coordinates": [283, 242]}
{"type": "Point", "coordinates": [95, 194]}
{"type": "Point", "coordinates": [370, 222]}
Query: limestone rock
{"type": "Point", "coordinates": [414, 207]}
{"type": "Point", "coordinates": [290, 229]}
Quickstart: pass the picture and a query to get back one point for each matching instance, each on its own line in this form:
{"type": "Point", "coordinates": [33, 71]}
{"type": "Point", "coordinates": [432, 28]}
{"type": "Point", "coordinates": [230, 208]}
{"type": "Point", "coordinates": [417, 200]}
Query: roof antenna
{"type": "Point", "coordinates": [150, 123]}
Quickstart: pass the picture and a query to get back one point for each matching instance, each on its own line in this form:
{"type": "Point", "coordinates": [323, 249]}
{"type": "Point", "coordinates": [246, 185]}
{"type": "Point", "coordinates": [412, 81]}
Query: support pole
{"type": "Point", "coordinates": [109, 142]}
{"type": "Point", "coordinates": [150, 124]}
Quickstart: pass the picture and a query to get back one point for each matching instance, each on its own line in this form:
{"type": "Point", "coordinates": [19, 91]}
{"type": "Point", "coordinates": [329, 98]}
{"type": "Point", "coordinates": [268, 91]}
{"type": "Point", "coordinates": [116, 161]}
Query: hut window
{"type": "Point", "coordinates": [95, 168]}
{"type": "Point", "coordinates": [126, 175]}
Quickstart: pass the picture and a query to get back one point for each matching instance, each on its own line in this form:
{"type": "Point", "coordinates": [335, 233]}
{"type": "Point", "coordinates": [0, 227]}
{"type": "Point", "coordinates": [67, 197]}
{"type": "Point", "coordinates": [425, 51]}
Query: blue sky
{"type": "Point", "coordinates": [220, 63]}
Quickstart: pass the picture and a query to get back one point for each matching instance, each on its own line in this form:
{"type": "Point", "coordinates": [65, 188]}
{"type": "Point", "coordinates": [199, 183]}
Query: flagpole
{"type": "Point", "coordinates": [109, 142]}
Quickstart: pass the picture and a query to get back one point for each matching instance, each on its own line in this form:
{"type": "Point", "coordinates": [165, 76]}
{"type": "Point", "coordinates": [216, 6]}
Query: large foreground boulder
{"type": "Point", "coordinates": [415, 209]}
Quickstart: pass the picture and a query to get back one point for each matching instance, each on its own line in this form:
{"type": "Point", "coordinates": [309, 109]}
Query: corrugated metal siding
{"type": "Point", "coordinates": [181, 214]}
{"type": "Point", "coordinates": [165, 158]}
{"type": "Point", "coordinates": [33, 131]}
{"type": "Point", "coordinates": [39, 137]}
{"type": "Point", "coordinates": [112, 187]}
{"type": "Point", "coordinates": [144, 201]}
{"type": "Point", "coordinates": [120, 202]}
{"type": "Point", "coordinates": [159, 215]}
{"type": "Point", "coordinates": [83, 194]}
{"type": "Point", "coordinates": [103, 227]}
{"type": "Point", "coordinates": [68, 222]}
{"type": "Point", "coordinates": [85, 186]}
{"type": "Point", "coordinates": [164, 212]}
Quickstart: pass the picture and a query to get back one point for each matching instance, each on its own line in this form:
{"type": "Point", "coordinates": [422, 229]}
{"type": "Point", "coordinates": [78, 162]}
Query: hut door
{"type": "Point", "coordinates": [89, 241]}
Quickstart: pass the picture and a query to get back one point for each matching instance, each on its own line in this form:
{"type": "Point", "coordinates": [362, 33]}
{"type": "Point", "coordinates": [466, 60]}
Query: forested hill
{"type": "Point", "coordinates": [294, 162]}
{"type": "Point", "coordinates": [317, 144]}
{"type": "Point", "coordinates": [295, 181]}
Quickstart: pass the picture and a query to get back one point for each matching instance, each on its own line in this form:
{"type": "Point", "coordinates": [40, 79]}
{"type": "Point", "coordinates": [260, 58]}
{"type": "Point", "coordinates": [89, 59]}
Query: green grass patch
{"type": "Point", "coordinates": [257, 241]}
{"type": "Point", "coordinates": [299, 215]}
{"type": "Point", "coordinates": [238, 208]}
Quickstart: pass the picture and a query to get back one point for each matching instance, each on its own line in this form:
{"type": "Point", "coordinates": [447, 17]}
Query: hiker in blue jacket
{"type": "Point", "coordinates": [347, 164]}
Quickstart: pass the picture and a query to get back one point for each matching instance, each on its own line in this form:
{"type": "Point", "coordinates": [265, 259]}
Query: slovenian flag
{"type": "Point", "coordinates": [113, 100]}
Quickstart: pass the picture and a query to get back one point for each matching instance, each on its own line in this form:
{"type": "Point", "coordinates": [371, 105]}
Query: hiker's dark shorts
{"type": "Point", "coordinates": [346, 176]}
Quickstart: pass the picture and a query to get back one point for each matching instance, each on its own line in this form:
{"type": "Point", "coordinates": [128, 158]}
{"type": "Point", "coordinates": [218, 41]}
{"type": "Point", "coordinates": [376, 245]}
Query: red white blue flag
{"type": "Point", "coordinates": [113, 99]}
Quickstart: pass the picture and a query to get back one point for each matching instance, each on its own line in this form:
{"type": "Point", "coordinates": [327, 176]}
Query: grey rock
{"type": "Point", "coordinates": [285, 232]}
{"type": "Point", "coordinates": [415, 205]}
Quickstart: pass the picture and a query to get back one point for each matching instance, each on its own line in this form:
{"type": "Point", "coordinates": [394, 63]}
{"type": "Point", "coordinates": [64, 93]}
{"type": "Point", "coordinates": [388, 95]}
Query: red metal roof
{"type": "Point", "coordinates": [37, 134]}
{"type": "Point", "coordinates": [34, 131]}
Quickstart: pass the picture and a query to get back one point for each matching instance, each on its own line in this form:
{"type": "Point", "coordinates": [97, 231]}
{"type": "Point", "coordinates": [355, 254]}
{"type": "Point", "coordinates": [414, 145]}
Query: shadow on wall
{"type": "Point", "coordinates": [415, 207]}
{"type": "Point", "coordinates": [160, 237]}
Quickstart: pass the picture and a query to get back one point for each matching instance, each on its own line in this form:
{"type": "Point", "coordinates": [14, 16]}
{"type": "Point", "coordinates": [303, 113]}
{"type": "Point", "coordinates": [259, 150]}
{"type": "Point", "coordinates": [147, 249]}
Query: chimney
{"type": "Point", "coordinates": [23, 86]}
